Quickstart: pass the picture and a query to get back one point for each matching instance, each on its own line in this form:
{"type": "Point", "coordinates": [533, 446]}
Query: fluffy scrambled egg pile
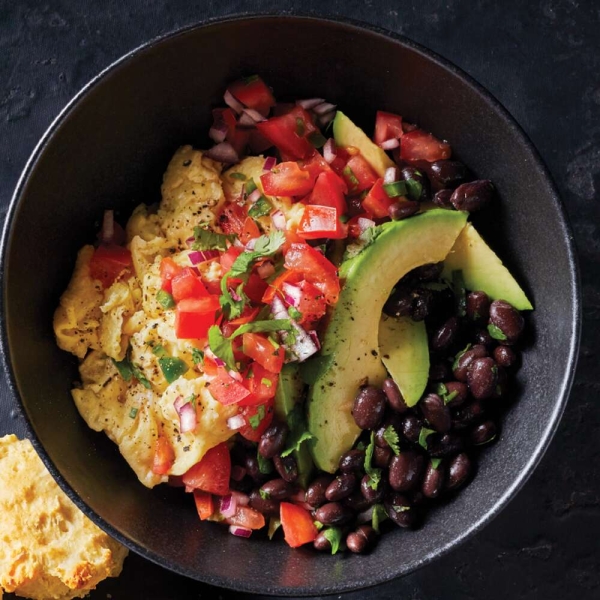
{"type": "Point", "coordinates": [101, 326]}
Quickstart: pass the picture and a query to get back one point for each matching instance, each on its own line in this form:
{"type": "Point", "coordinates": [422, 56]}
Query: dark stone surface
{"type": "Point", "coordinates": [541, 59]}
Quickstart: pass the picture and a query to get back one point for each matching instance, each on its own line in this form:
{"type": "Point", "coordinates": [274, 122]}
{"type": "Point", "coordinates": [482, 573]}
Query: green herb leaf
{"type": "Point", "coordinates": [197, 356]}
{"type": "Point", "coordinates": [264, 495]}
{"type": "Point", "coordinates": [263, 327]}
{"type": "Point", "coordinates": [159, 350]}
{"type": "Point", "coordinates": [256, 419]}
{"type": "Point", "coordinates": [349, 173]}
{"type": "Point", "coordinates": [300, 127]}
{"type": "Point", "coordinates": [221, 346]}
{"type": "Point", "coordinates": [400, 508]}
{"type": "Point", "coordinates": [373, 473]}
{"type": "Point", "coordinates": [423, 435]}
{"type": "Point", "coordinates": [458, 286]}
{"type": "Point", "coordinates": [496, 332]}
{"type": "Point", "coordinates": [172, 368]}
{"type": "Point", "coordinates": [265, 465]}
{"type": "Point", "coordinates": [294, 313]}
{"type": "Point", "coordinates": [334, 536]}
{"type": "Point", "coordinates": [124, 368]}
{"type": "Point", "coordinates": [274, 525]}
{"type": "Point", "coordinates": [316, 139]}
{"type": "Point", "coordinates": [205, 239]}
{"type": "Point", "coordinates": [395, 189]}
{"type": "Point", "coordinates": [266, 381]}
{"type": "Point", "coordinates": [435, 462]}
{"type": "Point", "coordinates": [294, 442]}
{"type": "Point", "coordinates": [265, 245]}
{"type": "Point", "coordinates": [459, 356]}
{"type": "Point", "coordinates": [378, 516]}
{"type": "Point", "coordinates": [261, 208]}
{"type": "Point", "coordinates": [390, 435]}
{"type": "Point", "coordinates": [444, 394]}
{"type": "Point", "coordinates": [318, 525]}
{"type": "Point", "coordinates": [238, 176]}
{"type": "Point", "coordinates": [298, 430]}
{"type": "Point", "coordinates": [165, 299]}
{"type": "Point", "coordinates": [131, 369]}
{"type": "Point", "coordinates": [133, 412]}
{"type": "Point", "coordinates": [414, 188]}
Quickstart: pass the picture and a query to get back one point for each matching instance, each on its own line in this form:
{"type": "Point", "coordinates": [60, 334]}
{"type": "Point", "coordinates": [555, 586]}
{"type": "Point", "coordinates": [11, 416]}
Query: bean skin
{"type": "Point", "coordinates": [361, 540]}
{"type": "Point", "coordinates": [266, 506]}
{"type": "Point", "coordinates": [251, 466]}
{"type": "Point", "coordinates": [272, 441]}
{"type": "Point", "coordinates": [406, 471]}
{"type": "Point", "coordinates": [343, 485]}
{"type": "Point", "coordinates": [400, 510]}
{"type": "Point", "coordinates": [483, 433]}
{"type": "Point", "coordinates": [356, 502]}
{"type": "Point", "coordinates": [462, 392]}
{"type": "Point", "coordinates": [315, 493]}
{"type": "Point", "coordinates": [465, 416]}
{"type": "Point", "coordinates": [445, 335]}
{"type": "Point", "coordinates": [429, 272]}
{"type": "Point", "coordinates": [422, 304]}
{"type": "Point", "coordinates": [439, 371]}
{"type": "Point", "coordinates": [482, 377]}
{"type": "Point", "coordinates": [369, 407]}
{"type": "Point", "coordinates": [411, 428]}
{"type": "Point", "coordinates": [353, 460]}
{"type": "Point", "coordinates": [321, 543]}
{"type": "Point", "coordinates": [483, 338]}
{"type": "Point", "coordinates": [382, 457]}
{"type": "Point", "coordinates": [394, 396]}
{"type": "Point", "coordinates": [277, 489]}
{"type": "Point", "coordinates": [433, 481]}
{"type": "Point", "coordinates": [442, 199]}
{"type": "Point", "coordinates": [448, 174]}
{"type": "Point", "coordinates": [473, 196]}
{"type": "Point", "coordinates": [287, 468]}
{"type": "Point", "coordinates": [436, 413]}
{"type": "Point", "coordinates": [508, 320]}
{"type": "Point", "coordinates": [459, 470]}
{"type": "Point", "coordinates": [402, 210]}
{"type": "Point", "coordinates": [333, 513]}
{"type": "Point", "coordinates": [399, 304]}
{"type": "Point", "coordinates": [373, 496]}
{"type": "Point", "coordinates": [462, 368]}
{"type": "Point", "coordinates": [445, 445]}
{"type": "Point", "coordinates": [505, 356]}
{"type": "Point", "coordinates": [478, 307]}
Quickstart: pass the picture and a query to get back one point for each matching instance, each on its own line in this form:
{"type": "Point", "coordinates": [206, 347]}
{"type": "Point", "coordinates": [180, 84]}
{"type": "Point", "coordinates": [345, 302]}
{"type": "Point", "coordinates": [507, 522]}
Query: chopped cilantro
{"type": "Point", "coordinates": [395, 189]}
{"type": "Point", "coordinates": [266, 382]}
{"type": "Point", "coordinates": [496, 332]}
{"type": "Point", "coordinates": [390, 435]}
{"type": "Point", "coordinates": [264, 495]}
{"type": "Point", "coordinates": [444, 394]}
{"type": "Point", "coordinates": [459, 356]}
{"type": "Point", "coordinates": [423, 435]}
{"type": "Point", "coordinates": [378, 515]}
{"type": "Point", "coordinates": [205, 239]}
{"type": "Point", "coordinates": [261, 208]}
{"type": "Point", "coordinates": [317, 139]}
{"type": "Point", "coordinates": [265, 466]}
{"type": "Point", "coordinates": [124, 368]}
{"type": "Point", "coordinates": [318, 525]}
{"type": "Point", "coordinates": [197, 356]}
{"type": "Point", "coordinates": [334, 536]}
{"type": "Point", "coordinates": [294, 313]}
{"type": "Point", "coordinates": [238, 176]}
{"type": "Point", "coordinates": [172, 368]}
{"type": "Point", "coordinates": [255, 420]}
{"type": "Point", "coordinates": [300, 127]}
{"type": "Point", "coordinates": [400, 509]}
{"type": "Point", "coordinates": [298, 431]}
{"type": "Point", "coordinates": [133, 412]}
{"type": "Point", "coordinates": [165, 299]}
{"type": "Point", "coordinates": [435, 462]}
{"type": "Point", "coordinates": [349, 173]}
{"type": "Point", "coordinates": [373, 473]}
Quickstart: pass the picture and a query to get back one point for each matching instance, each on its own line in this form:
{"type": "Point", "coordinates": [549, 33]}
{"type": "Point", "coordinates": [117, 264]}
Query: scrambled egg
{"type": "Point", "coordinates": [102, 327]}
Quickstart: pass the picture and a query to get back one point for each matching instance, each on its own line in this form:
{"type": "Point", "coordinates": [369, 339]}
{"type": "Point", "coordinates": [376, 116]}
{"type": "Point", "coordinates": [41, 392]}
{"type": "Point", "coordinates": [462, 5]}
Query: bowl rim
{"type": "Point", "coordinates": [360, 27]}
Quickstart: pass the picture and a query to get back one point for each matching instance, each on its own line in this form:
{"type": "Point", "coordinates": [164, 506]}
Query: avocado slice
{"type": "Point", "coordinates": [350, 352]}
{"type": "Point", "coordinates": [404, 351]}
{"type": "Point", "coordinates": [346, 133]}
{"type": "Point", "coordinates": [288, 409]}
{"type": "Point", "coordinates": [483, 270]}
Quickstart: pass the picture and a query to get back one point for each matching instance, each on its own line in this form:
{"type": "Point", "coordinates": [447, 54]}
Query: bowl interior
{"type": "Point", "coordinates": [109, 150]}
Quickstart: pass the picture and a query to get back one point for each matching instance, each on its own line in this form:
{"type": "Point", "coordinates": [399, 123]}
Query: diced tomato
{"type": "Point", "coordinates": [261, 383]}
{"type": "Point", "coordinates": [259, 348]}
{"type": "Point", "coordinates": [249, 231]}
{"type": "Point", "coordinates": [227, 390]}
{"type": "Point", "coordinates": [253, 92]}
{"type": "Point", "coordinates": [247, 517]}
{"type": "Point", "coordinates": [164, 456]}
{"type": "Point", "coordinates": [354, 228]}
{"type": "Point", "coordinates": [298, 525]}
{"type": "Point", "coordinates": [186, 284]}
{"type": "Point", "coordinates": [312, 303]}
{"type": "Point", "coordinates": [358, 174]}
{"type": "Point", "coordinates": [289, 275]}
{"type": "Point", "coordinates": [109, 262]}
{"type": "Point", "coordinates": [420, 145]}
{"type": "Point", "coordinates": [249, 315]}
{"type": "Point", "coordinates": [228, 257]}
{"type": "Point", "coordinates": [288, 133]}
{"type": "Point", "coordinates": [255, 288]}
{"type": "Point", "coordinates": [168, 269]}
{"type": "Point", "coordinates": [287, 179]}
{"type": "Point", "coordinates": [194, 316]}
{"type": "Point", "coordinates": [205, 504]}
{"type": "Point", "coordinates": [329, 190]}
{"type": "Point", "coordinates": [387, 126]}
{"type": "Point", "coordinates": [209, 367]}
{"type": "Point", "coordinates": [232, 218]}
{"type": "Point", "coordinates": [377, 202]}
{"type": "Point", "coordinates": [258, 143]}
{"type": "Point", "coordinates": [320, 222]}
{"type": "Point", "coordinates": [315, 268]}
{"type": "Point", "coordinates": [212, 473]}
{"type": "Point", "coordinates": [258, 418]}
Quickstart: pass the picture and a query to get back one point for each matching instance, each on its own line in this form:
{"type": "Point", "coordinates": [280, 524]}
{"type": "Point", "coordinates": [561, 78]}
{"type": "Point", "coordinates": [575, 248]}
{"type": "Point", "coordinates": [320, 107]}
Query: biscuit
{"type": "Point", "coordinates": [48, 548]}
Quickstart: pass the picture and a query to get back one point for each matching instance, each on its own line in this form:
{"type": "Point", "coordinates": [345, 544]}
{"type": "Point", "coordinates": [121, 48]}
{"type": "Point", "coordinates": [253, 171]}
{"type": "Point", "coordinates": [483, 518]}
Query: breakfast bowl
{"type": "Point", "coordinates": [109, 149]}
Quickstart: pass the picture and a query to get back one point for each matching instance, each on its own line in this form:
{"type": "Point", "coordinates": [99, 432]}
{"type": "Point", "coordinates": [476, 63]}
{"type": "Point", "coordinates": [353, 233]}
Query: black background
{"type": "Point", "coordinates": [541, 59]}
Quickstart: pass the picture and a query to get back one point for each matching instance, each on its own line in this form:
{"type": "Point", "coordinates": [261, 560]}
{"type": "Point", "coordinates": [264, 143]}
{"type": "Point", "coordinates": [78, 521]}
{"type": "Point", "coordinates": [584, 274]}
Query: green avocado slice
{"type": "Point", "coordinates": [350, 350]}
{"type": "Point", "coordinates": [404, 351]}
{"type": "Point", "coordinates": [346, 133]}
{"type": "Point", "coordinates": [483, 270]}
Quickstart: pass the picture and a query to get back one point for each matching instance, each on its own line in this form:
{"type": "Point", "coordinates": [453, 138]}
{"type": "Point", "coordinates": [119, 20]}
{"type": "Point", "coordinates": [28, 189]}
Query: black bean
{"type": "Point", "coordinates": [394, 396]}
{"type": "Point", "coordinates": [505, 356]}
{"type": "Point", "coordinates": [422, 304]}
{"type": "Point", "coordinates": [353, 460]}
{"type": "Point", "coordinates": [445, 335]}
{"type": "Point", "coordinates": [433, 481]}
{"type": "Point", "coordinates": [478, 307]}
{"type": "Point", "coordinates": [482, 377]}
{"type": "Point", "coordinates": [355, 207]}
{"type": "Point", "coordinates": [473, 196]}
{"type": "Point", "coordinates": [403, 209]}
{"type": "Point", "coordinates": [442, 199]}
{"type": "Point", "coordinates": [441, 446]}
{"type": "Point", "coordinates": [266, 506]}
{"type": "Point", "coordinates": [272, 441]}
{"type": "Point", "coordinates": [438, 371]}
{"type": "Point", "coordinates": [315, 492]}
{"type": "Point", "coordinates": [400, 303]}
{"type": "Point", "coordinates": [356, 502]}
{"type": "Point", "coordinates": [287, 468]}
{"type": "Point", "coordinates": [321, 543]}
{"type": "Point", "coordinates": [343, 485]}
{"type": "Point", "coordinates": [465, 416]}
{"type": "Point", "coordinates": [436, 413]}
{"type": "Point", "coordinates": [461, 391]}
{"type": "Point", "coordinates": [251, 466]}
{"type": "Point", "coordinates": [459, 470]}
{"type": "Point", "coordinates": [382, 457]}
{"type": "Point", "coordinates": [400, 510]}
{"type": "Point", "coordinates": [361, 540]}
{"type": "Point", "coordinates": [411, 428]}
{"type": "Point", "coordinates": [508, 320]}
{"type": "Point", "coordinates": [333, 513]}
{"type": "Point", "coordinates": [406, 470]}
{"type": "Point", "coordinates": [369, 407]}
{"type": "Point", "coordinates": [429, 272]}
{"type": "Point", "coordinates": [448, 174]}
{"type": "Point", "coordinates": [418, 184]}
{"type": "Point", "coordinates": [277, 489]}
{"type": "Point", "coordinates": [372, 495]}
{"type": "Point", "coordinates": [483, 433]}
{"type": "Point", "coordinates": [244, 485]}
{"type": "Point", "coordinates": [465, 360]}
{"type": "Point", "coordinates": [483, 338]}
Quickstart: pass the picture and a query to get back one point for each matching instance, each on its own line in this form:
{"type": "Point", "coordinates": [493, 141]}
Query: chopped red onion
{"type": "Point", "coordinates": [324, 107]}
{"type": "Point", "coordinates": [329, 150]}
{"type": "Point", "coordinates": [254, 115]}
{"type": "Point", "coordinates": [235, 375]}
{"type": "Point", "coordinates": [188, 420]}
{"type": "Point", "coordinates": [364, 223]}
{"type": "Point", "coordinates": [219, 362]}
{"type": "Point", "coordinates": [315, 338]}
{"type": "Point", "coordinates": [270, 162]}
{"type": "Point", "coordinates": [255, 195]}
{"type": "Point", "coordinates": [240, 498]}
{"type": "Point", "coordinates": [235, 296]}
{"type": "Point", "coordinates": [108, 227]}
{"type": "Point", "coordinates": [246, 120]}
{"type": "Point", "coordinates": [240, 531]}
{"type": "Point", "coordinates": [310, 103]}
{"type": "Point", "coordinates": [278, 308]}
{"type": "Point", "coordinates": [326, 118]}
{"type": "Point", "coordinates": [228, 506]}
{"type": "Point", "coordinates": [190, 240]}
{"type": "Point", "coordinates": [196, 271]}
{"type": "Point", "coordinates": [291, 293]}
{"type": "Point", "coordinates": [199, 256]}
{"type": "Point", "coordinates": [390, 175]}
{"type": "Point", "coordinates": [238, 107]}
{"type": "Point", "coordinates": [235, 422]}
{"type": "Point", "coordinates": [218, 132]}
{"type": "Point", "coordinates": [237, 473]}
{"type": "Point", "coordinates": [278, 220]}
{"type": "Point", "coordinates": [303, 347]}
{"type": "Point", "coordinates": [390, 144]}
{"type": "Point", "coordinates": [223, 152]}
{"type": "Point", "coordinates": [265, 270]}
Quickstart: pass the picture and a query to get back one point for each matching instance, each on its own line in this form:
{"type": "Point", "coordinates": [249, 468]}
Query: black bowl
{"type": "Point", "coordinates": [109, 148]}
